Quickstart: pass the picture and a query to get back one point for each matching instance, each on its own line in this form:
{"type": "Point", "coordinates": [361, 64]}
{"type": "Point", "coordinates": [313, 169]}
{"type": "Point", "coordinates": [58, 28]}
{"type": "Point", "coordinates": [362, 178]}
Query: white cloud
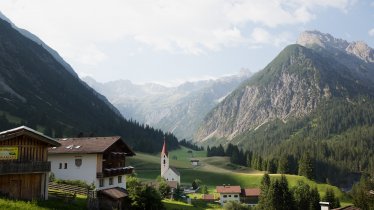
{"type": "Point", "coordinates": [184, 26]}
{"type": "Point", "coordinates": [260, 36]}
{"type": "Point", "coordinates": [371, 32]}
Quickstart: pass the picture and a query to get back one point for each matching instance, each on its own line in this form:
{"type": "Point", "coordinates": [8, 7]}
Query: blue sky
{"type": "Point", "coordinates": [172, 41]}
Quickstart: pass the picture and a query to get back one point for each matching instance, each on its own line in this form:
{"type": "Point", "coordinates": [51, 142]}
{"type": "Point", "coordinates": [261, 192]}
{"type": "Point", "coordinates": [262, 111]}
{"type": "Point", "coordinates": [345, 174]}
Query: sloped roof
{"type": "Point", "coordinates": [23, 130]}
{"type": "Point", "coordinates": [251, 192]}
{"type": "Point", "coordinates": [88, 145]}
{"type": "Point", "coordinates": [172, 184]}
{"type": "Point", "coordinates": [175, 171]}
{"type": "Point", "coordinates": [228, 189]}
{"type": "Point", "coordinates": [164, 149]}
{"type": "Point", "coordinates": [116, 192]}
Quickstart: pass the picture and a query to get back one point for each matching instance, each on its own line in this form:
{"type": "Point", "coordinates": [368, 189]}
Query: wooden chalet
{"type": "Point", "coordinates": [250, 196]}
{"type": "Point", "coordinates": [24, 166]}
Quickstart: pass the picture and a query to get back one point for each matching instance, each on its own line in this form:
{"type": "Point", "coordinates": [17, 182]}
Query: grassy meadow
{"type": "Point", "coordinates": [214, 171]}
{"type": "Point", "coordinates": [56, 204]}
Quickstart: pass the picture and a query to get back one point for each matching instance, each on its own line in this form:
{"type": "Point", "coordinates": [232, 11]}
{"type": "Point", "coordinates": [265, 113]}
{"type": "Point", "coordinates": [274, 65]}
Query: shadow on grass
{"type": "Point", "coordinates": [78, 203]}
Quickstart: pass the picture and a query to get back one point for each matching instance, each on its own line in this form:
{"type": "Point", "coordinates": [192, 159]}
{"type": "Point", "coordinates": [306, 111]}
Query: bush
{"type": "Point", "coordinates": [233, 205]}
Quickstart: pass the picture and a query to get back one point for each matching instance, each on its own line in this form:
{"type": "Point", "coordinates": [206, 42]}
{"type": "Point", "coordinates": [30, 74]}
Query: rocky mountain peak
{"type": "Point", "coordinates": [325, 40]}
{"type": "Point", "coordinates": [361, 50]}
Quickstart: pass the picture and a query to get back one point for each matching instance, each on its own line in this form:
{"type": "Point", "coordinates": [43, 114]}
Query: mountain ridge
{"type": "Point", "coordinates": [37, 91]}
{"type": "Point", "coordinates": [177, 109]}
{"type": "Point", "coordinates": [258, 100]}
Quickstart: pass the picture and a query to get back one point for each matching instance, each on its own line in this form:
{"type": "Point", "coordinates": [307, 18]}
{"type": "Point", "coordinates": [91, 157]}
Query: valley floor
{"type": "Point", "coordinates": [213, 171]}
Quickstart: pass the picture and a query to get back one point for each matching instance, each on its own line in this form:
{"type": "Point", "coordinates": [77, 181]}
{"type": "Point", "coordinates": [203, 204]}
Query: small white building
{"type": "Point", "coordinates": [228, 193]}
{"type": "Point", "coordinates": [96, 160]}
{"type": "Point", "coordinates": [169, 173]}
{"type": "Point", "coordinates": [194, 162]}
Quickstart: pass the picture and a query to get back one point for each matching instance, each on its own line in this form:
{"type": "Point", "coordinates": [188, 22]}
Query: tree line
{"type": "Point", "coordinates": [286, 164]}
{"type": "Point", "coordinates": [339, 136]}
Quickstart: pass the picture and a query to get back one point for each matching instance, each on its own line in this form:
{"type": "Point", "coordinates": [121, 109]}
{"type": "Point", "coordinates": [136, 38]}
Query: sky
{"type": "Point", "coordinates": [173, 41]}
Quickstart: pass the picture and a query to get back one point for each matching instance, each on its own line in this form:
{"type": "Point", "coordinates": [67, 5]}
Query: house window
{"type": "Point", "coordinates": [230, 196]}
{"type": "Point", "coordinates": [235, 196]}
{"type": "Point", "coordinates": [111, 181]}
{"type": "Point", "coordinates": [66, 166]}
{"type": "Point", "coordinates": [60, 166]}
{"type": "Point", "coordinates": [101, 182]}
{"type": "Point", "coordinates": [225, 196]}
{"type": "Point", "coordinates": [119, 179]}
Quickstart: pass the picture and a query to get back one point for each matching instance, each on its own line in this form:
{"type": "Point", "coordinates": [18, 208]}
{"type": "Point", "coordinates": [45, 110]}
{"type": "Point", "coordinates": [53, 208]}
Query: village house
{"type": "Point", "coordinates": [250, 196]}
{"type": "Point", "coordinates": [228, 193]}
{"type": "Point", "coordinates": [24, 166]}
{"type": "Point", "coordinates": [194, 162]}
{"type": "Point", "coordinates": [168, 173]}
{"type": "Point", "coordinates": [99, 161]}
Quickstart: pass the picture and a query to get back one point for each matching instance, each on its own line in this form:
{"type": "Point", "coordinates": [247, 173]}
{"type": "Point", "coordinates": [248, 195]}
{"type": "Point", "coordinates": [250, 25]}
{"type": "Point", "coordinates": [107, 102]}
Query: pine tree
{"type": "Point", "coordinates": [314, 199]}
{"type": "Point", "coordinates": [283, 165]}
{"type": "Point", "coordinates": [263, 202]}
{"type": "Point", "coordinates": [306, 167]}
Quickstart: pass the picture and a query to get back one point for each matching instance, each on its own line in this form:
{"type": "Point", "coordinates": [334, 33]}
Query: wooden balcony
{"type": "Point", "coordinates": [107, 172]}
{"type": "Point", "coordinates": [24, 167]}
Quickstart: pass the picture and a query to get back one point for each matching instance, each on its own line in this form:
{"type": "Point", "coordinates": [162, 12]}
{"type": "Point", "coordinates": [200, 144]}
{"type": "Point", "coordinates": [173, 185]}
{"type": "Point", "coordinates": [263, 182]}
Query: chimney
{"type": "Point", "coordinates": [325, 205]}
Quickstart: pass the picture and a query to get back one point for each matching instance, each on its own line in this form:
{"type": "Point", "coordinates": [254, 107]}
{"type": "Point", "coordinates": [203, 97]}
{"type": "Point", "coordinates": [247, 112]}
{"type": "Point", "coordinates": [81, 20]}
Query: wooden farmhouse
{"type": "Point", "coordinates": [100, 161]}
{"type": "Point", "coordinates": [24, 166]}
{"type": "Point", "coordinates": [250, 196]}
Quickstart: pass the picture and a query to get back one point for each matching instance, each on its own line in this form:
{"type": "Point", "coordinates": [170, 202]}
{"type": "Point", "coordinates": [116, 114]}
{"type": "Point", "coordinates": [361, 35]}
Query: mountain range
{"type": "Point", "coordinates": [40, 90]}
{"type": "Point", "coordinates": [315, 96]}
{"type": "Point", "coordinates": [179, 109]}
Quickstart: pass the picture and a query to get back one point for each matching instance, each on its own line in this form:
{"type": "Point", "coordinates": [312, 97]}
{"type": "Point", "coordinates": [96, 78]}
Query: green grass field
{"type": "Point", "coordinates": [56, 204]}
{"type": "Point", "coordinates": [215, 171]}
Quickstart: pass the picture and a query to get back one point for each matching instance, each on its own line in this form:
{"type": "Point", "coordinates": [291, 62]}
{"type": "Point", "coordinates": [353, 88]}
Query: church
{"type": "Point", "coordinates": [169, 173]}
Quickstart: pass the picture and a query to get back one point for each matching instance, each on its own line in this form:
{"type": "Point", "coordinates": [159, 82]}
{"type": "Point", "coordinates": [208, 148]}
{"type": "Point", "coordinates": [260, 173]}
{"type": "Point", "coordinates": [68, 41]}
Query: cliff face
{"type": "Point", "coordinates": [291, 86]}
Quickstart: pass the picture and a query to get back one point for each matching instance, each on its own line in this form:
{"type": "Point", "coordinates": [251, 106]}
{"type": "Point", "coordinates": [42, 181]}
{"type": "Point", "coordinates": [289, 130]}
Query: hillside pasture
{"type": "Point", "coordinates": [214, 171]}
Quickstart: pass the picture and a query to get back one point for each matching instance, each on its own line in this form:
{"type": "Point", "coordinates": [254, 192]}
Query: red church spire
{"type": "Point", "coordinates": [164, 150]}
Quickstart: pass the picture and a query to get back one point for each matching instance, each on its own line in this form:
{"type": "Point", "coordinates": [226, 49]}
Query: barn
{"type": "Point", "coordinates": [24, 165]}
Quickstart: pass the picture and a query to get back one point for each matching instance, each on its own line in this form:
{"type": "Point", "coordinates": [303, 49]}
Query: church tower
{"type": "Point", "coordinates": [164, 159]}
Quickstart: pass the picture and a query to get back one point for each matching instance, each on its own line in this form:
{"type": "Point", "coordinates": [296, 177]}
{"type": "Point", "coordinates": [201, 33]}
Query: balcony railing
{"type": "Point", "coordinates": [115, 172]}
{"type": "Point", "coordinates": [24, 167]}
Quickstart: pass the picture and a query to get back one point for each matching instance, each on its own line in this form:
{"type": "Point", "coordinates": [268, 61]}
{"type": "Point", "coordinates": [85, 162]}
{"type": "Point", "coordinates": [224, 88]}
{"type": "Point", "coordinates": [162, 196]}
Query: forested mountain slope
{"type": "Point", "coordinates": [37, 90]}
{"type": "Point", "coordinates": [306, 99]}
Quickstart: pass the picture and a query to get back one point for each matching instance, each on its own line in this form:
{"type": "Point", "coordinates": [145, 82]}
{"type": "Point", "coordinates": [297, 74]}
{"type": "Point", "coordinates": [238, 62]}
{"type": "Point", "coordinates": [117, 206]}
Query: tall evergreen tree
{"type": "Point", "coordinates": [283, 165]}
{"type": "Point", "coordinates": [306, 167]}
{"type": "Point", "coordinates": [314, 199]}
{"type": "Point", "coordinates": [264, 199]}
{"type": "Point", "coordinates": [331, 198]}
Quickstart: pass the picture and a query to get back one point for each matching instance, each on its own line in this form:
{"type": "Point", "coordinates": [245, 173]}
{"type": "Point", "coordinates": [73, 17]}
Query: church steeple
{"type": "Point", "coordinates": [164, 150]}
{"type": "Point", "coordinates": [164, 158]}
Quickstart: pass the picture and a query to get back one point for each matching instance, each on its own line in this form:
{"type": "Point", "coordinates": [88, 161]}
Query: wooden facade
{"type": "Point", "coordinates": [25, 174]}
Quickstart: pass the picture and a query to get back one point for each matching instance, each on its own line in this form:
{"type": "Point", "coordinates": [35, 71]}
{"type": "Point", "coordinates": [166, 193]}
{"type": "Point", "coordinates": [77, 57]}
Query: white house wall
{"type": "Point", "coordinates": [229, 197]}
{"type": "Point", "coordinates": [115, 183]}
{"type": "Point", "coordinates": [86, 172]}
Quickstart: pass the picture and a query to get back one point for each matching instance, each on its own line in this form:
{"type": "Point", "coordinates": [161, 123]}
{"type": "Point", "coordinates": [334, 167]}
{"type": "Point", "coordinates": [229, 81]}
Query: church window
{"type": "Point", "coordinates": [164, 161]}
